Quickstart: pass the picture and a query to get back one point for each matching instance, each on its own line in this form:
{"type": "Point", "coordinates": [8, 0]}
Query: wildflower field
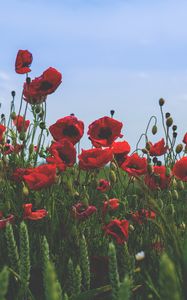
{"type": "Point", "coordinates": [107, 222]}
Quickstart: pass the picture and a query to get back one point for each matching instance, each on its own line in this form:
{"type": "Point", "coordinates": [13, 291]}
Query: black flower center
{"type": "Point", "coordinates": [25, 64]}
{"type": "Point", "coordinates": [116, 229]}
{"type": "Point", "coordinates": [45, 85]}
{"type": "Point", "coordinates": [70, 131]}
{"type": "Point", "coordinates": [104, 133]}
{"type": "Point", "coordinates": [64, 157]}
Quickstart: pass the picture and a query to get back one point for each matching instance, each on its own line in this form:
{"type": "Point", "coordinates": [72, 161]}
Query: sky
{"type": "Point", "coordinates": [113, 54]}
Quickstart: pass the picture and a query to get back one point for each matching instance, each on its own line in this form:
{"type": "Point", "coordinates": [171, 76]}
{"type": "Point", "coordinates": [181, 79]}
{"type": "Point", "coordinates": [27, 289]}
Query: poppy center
{"type": "Point", "coordinates": [64, 157]}
{"type": "Point", "coordinates": [70, 131]}
{"type": "Point", "coordinates": [45, 85]}
{"type": "Point", "coordinates": [116, 229]}
{"type": "Point", "coordinates": [25, 64]}
{"type": "Point", "coordinates": [105, 133]}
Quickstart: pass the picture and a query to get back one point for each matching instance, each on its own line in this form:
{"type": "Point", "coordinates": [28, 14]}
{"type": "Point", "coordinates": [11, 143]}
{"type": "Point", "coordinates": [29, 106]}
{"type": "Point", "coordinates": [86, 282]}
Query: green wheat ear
{"type": "Point", "coordinates": [4, 277]}
{"type": "Point", "coordinates": [24, 257]}
{"type": "Point", "coordinates": [169, 285]}
{"type": "Point", "coordinates": [12, 249]}
{"type": "Point", "coordinates": [113, 271]}
{"type": "Point", "coordinates": [77, 281]}
{"type": "Point", "coordinates": [52, 286]}
{"type": "Point", "coordinates": [84, 262]}
{"type": "Point", "coordinates": [70, 278]}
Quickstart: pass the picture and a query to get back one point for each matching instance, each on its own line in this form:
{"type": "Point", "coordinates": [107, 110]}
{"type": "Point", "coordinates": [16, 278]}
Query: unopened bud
{"type": "Point", "coordinates": [148, 146]}
{"type": "Point", "coordinates": [175, 195]}
{"type": "Point", "coordinates": [131, 227]}
{"type": "Point", "coordinates": [37, 109]}
{"type": "Point", "coordinates": [178, 148]}
{"type": "Point", "coordinates": [182, 226]}
{"type": "Point", "coordinates": [25, 190]}
{"type": "Point", "coordinates": [42, 125]}
{"type": "Point", "coordinates": [174, 134]}
{"type": "Point", "coordinates": [112, 176]}
{"type": "Point", "coordinates": [167, 115]}
{"type": "Point", "coordinates": [13, 93]}
{"type": "Point", "coordinates": [169, 121]}
{"type": "Point", "coordinates": [13, 115]}
{"type": "Point", "coordinates": [22, 136]}
{"type": "Point", "coordinates": [112, 112]}
{"type": "Point", "coordinates": [174, 127]}
{"type": "Point", "coordinates": [161, 101]}
{"type": "Point", "coordinates": [28, 80]}
{"type": "Point", "coordinates": [154, 129]}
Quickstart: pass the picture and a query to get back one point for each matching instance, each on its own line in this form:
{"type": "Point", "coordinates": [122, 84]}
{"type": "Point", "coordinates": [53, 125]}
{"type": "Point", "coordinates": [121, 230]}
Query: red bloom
{"type": "Point", "coordinates": [135, 165]}
{"type": "Point", "coordinates": [118, 229]}
{"type": "Point", "coordinates": [142, 215]}
{"type": "Point", "coordinates": [21, 124]}
{"type": "Point", "coordinates": [185, 138]}
{"type": "Point", "coordinates": [180, 169]}
{"type": "Point", "coordinates": [23, 62]}
{"type": "Point", "coordinates": [2, 130]}
{"type": "Point", "coordinates": [94, 158]}
{"type": "Point", "coordinates": [40, 177]}
{"type": "Point", "coordinates": [111, 204]}
{"type": "Point", "coordinates": [104, 131]}
{"type": "Point", "coordinates": [20, 172]}
{"type": "Point", "coordinates": [33, 215]}
{"type": "Point", "coordinates": [37, 90]}
{"type": "Point", "coordinates": [158, 179]}
{"type": "Point", "coordinates": [80, 212]}
{"type": "Point", "coordinates": [63, 154]}
{"type": "Point", "coordinates": [67, 128]}
{"type": "Point", "coordinates": [120, 150]}
{"type": "Point", "coordinates": [158, 148]}
{"type": "Point", "coordinates": [4, 221]}
{"type": "Point", "coordinates": [103, 186]}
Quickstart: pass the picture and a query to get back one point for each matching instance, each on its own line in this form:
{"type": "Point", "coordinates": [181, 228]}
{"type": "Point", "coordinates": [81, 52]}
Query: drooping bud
{"type": "Point", "coordinates": [169, 122]}
{"type": "Point", "coordinates": [42, 125]}
{"type": "Point", "coordinates": [174, 127]}
{"type": "Point", "coordinates": [112, 112]}
{"type": "Point", "coordinates": [167, 115]}
{"type": "Point", "coordinates": [148, 146]}
{"type": "Point", "coordinates": [13, 115]}
{"type": "Point", "coordinates": [178, 148]}
{"type": "Point", "coordinates": [112, 176]}
{"type": "Point", "coordinates": [154, 129]}
{"type": "Point", "coordinates": [13, 93]}
{"type": "Point", "coordinates": [161, 101]}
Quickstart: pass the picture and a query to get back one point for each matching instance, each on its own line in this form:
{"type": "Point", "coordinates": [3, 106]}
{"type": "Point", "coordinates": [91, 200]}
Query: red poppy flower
{"type": "Point", "coordinates": [67, 128]}
{"type": "Point", "coordinates": [135, 165]}
{"type": "Point", "coordinates": [21, 124]}
{"type": "Point", "coordinates": [94, 158]}
{"type": "Point", "coordinates": [20, 172]}
{"type": "Point", "coordinates": [104, 131]}
{"type": "Point", "coordinates": [111, 204]}
{"type": "Point", "coordinates": [180, 169]}
{"type": "Point", "coordinates": [158, 179]}
{"type": "Point", "coordinates": [118, 229]}
{"type": "Point", "coordinates": [4, 221]}
{"type": "Point", "coordinates": [37, 90]}
{"type": "Point", "coordinates": [23, 62]}
{"type": "Point", "coordinates": [81, 212]}
{"type": "Point", "coordinates": [143, 215]}
{"type": "Point", "coordinates": [40, 177]}
{"type": "Point", "coordinates": [120, 150]}
{"type": "Point", "coordinates": [2, 130]}
{"type": "Point", "coordinates": [63, 154]}
{"type": "Point", "coordinates": [103, 186]}
{"type": "Point", "coordinates": [158, 148]}
{"type": "Point", "coordinates": [33, 215]}
{"type": "Point", "coordinates": [185, 138]}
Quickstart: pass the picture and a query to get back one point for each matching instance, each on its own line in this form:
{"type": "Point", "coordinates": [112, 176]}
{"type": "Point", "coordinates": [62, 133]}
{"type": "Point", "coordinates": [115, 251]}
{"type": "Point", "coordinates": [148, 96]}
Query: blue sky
{"type": "Point", "coordinates": [121, 55]}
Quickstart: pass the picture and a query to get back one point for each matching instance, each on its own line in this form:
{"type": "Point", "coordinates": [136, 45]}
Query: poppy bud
{"type": "Point", "coordinates": [25, 190]}
{"type": "Point", "coordinates": [169, 122]}
{"type": "Point", "coordinates": [22, 136]}
{"type": "Point", "coordinates": [42, 125]}
{"type": "Point", "coordinates": [178, 148]}
{"type": "Point", "coordinates": [148, 146]}
{"type": "Point", "coordinates": [180, 185]}
{"type": "Point", "coordinates": [175, 195]}
{"type": "Point", "coordinates": [13, 115]}
{"type": "Point", "coordinates": [41, 114]}
{"type": "Point", "coordinates": [76, 196]}
{"type": "Point", "coordinates": [113, 166]}
{"type": "Point", "coordinates": [131, 227]}
{"type": "Point", "coordinates": [13, 93]}
{"type": "Point", "coordinates": [161, 101]}
{"type": "Point", "coordinates": [160, 203]}
{"type": "Point", "coordinates": [174, 127]}
{"type": "Point", "coordinates": [112, 112]}
{"type": "Point", "coordinates": [112, 176]}
{"type": "Point", "coordinates": [154, 129]}
{"type": "Point", "coordinates": [174, 134]}
{"type": "Point", "coordinates": [155, 159]}
{"type": "Point", "coordinates": [159, 163]}
{"type": "Point", "coordinates": [167, 115]}
{"type": "Point", "coordinates": [182, 226]}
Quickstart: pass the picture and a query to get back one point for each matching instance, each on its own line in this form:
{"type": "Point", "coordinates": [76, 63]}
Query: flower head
{"type": "Point", "coordinates": [33, 215]}
{"type": "Point", "coordinates": [135, 165]}
{"type": "Point", "coordinates": [94, 158]}
{"type": "Point", "coordinates": [23, 62]}
{"type": "Point", "coordinates": [117, 229]}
